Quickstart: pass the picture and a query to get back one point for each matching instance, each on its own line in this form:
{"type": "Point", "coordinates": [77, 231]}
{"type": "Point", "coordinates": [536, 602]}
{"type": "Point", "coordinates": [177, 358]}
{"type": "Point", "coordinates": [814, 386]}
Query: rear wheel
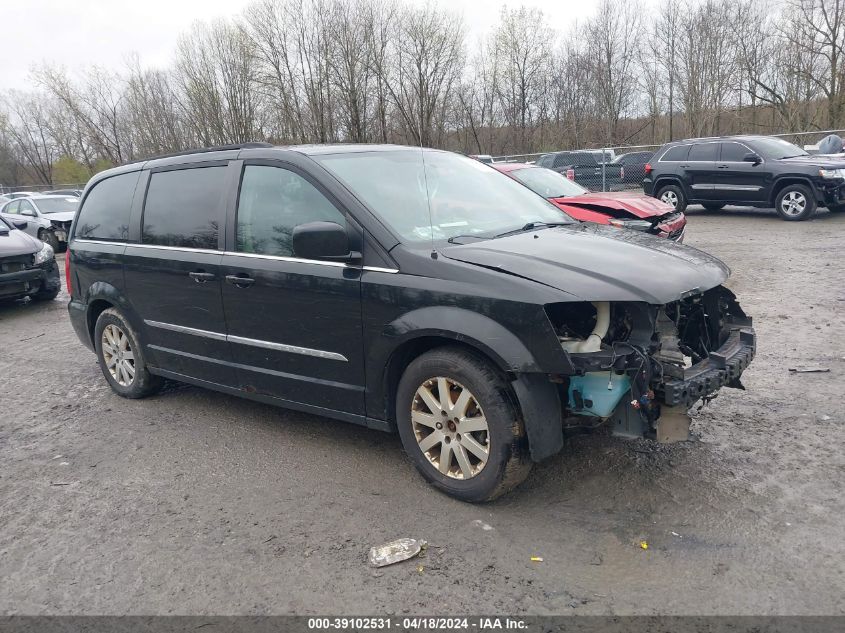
{"type": "Point", "coordinates": [713, 206]}
{"type": "Point", "coordinates": [795, 203]}
{"type": "Point", "coordinates": [673, 195]}
{"type": "Point", "coordinates": [121, 358]}
{"type": "Point", "coordinates": [459, 425]}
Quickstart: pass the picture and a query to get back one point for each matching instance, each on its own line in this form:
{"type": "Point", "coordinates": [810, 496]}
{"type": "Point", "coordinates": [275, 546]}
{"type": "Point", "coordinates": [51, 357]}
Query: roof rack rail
{"type": "Point", "coordinates": [202, 150]}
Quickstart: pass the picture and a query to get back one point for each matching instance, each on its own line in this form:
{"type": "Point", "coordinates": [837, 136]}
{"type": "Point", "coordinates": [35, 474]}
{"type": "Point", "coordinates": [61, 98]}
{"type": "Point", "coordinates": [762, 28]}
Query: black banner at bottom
{"type": "Point", "coordinates": [528, 624]}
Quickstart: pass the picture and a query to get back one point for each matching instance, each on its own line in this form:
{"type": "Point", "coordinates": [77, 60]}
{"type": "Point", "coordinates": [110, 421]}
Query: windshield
{"type": "Point", "coordinates": [547, 183]}
{"type": "Point", "coordinates": [465, 197]}
{"type": "Point", "coordinates": [56, 205]}
{"type": "Point", "coordinates": [775, 148]}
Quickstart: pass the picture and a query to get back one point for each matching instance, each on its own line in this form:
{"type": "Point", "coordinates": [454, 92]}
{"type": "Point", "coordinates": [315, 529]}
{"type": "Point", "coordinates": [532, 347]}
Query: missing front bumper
{"type": "Point", "coordinates": [722, 368]}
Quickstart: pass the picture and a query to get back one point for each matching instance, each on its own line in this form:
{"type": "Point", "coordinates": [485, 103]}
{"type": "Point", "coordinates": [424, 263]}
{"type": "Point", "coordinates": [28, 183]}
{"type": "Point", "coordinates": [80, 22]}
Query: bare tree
{"type": "Point", "coordinates": [613, 35]}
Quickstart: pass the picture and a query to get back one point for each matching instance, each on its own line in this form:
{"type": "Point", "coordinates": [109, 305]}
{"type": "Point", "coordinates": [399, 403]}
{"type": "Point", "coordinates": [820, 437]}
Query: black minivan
{"type": "Point", "coordinates": [402, 289]}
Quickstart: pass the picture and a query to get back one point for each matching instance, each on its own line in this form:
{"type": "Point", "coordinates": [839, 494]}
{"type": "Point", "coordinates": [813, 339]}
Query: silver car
{"type": "Point", "coordinates": [48, 217]}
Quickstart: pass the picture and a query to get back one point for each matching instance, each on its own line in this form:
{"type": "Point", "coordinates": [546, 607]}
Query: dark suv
{"type": "Point", "coordinates": [760, 171]}
{"type": "Point", "coordinates": [400, 289]}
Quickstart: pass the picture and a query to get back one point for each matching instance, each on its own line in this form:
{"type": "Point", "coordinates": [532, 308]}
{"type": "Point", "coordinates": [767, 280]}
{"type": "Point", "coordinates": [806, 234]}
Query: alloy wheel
{"type": "Point", "coordinates": [118, 355]}
{"type": "Point", "coordinates": [670, 198]}
{"type": "Point", "coordinates": [450, 428]}
{"type": "Point", "coordinates": [793, 203]}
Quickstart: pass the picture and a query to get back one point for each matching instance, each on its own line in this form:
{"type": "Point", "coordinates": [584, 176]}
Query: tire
{"type": "Point", "coordinates": [489, 404]}
{"type": "Point", "coordinates": [713, 206]}
{"type": "Point", "coordinates": [673, 195]}
{"type": "Point", "coordinates": [50, 238]}
{"type": "Point", "coordinates": [136, 384]}
{"type": "Point", "coordinates": [795, 203]}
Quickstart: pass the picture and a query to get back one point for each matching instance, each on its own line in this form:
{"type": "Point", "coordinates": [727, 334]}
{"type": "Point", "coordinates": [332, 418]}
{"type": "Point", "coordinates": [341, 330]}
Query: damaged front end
{"type": "Point", "coordinates": [640, 367]}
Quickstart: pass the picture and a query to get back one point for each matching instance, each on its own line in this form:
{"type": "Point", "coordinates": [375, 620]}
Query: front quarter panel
{"type": "Point", "coordinates": [514, 333]}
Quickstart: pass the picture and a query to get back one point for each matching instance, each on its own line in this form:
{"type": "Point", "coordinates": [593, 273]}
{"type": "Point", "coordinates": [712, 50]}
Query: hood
{"type": "Point", "coordinates": [635, 204]}
{"type": "Point", "coordinates": [62, 216]}
{"type": "Point", "coordinates": [599, 263]}
{"type": "Point", "coordinates": [17, 242]}
{"type": "Point", "coordinates": [822, 161]}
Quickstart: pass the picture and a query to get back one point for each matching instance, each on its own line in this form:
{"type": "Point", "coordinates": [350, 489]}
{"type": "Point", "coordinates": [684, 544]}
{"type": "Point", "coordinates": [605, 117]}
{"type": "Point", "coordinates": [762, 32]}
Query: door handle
{"type": "Point", "coordinates": [721, 167]}
{"type": "Point", "coordinates": [684, 166]}
{"type": "Point", "coordinates": [241, 280]}
{"type": "Point", "coordinates": [201, 276]}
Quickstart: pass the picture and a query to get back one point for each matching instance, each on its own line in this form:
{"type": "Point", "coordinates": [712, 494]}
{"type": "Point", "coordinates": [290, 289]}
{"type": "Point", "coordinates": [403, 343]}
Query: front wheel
{"type": "Point", "coordinates": [673, 195]}
{"type": "Point", "coordinates": [795, 203]}
{"type": "Point", "coordinates": [460, 427]}
{"type": "Point", "coordinates": [48, 237]}
{"type": "Point", "coordinates": [121, 358]}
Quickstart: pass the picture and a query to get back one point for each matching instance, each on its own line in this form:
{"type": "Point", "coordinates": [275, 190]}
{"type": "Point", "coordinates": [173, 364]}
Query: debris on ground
{"type": "Point", "coordinates": [536, 559]}
{"type": "Point", "coordinates": [676, 534]}
{"type": "Point", "coordinates": [396, 551]}
{"type": "Point", "coordinates": [643, 545]}
{"type": "Point", "coordinates": [484, 526]}
{"type": "Point", "coordinates": [809, 370]}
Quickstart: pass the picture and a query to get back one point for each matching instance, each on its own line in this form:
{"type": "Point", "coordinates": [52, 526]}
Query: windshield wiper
{"type": "Point", "coordinates": [531, 226]}
{"type": "Point", "coordinates": [452, 239]}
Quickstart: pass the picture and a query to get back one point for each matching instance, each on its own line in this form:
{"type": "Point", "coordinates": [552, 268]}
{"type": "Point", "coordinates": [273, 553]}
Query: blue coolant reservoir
{"type": "Point", "coordinates": [589, 394]}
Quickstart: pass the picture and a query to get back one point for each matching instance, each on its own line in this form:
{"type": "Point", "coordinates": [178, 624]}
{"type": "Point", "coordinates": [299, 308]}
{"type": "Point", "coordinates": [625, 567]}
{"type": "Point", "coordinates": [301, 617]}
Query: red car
{"type": "Point", "coordinates": [622, 209]}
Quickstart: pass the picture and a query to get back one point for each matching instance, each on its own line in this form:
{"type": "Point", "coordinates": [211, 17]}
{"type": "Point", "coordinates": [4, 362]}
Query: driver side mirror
{"type": "Point", "coordinates": [322, 240]}
{"type": "Point", "coordinates": [752, 158]}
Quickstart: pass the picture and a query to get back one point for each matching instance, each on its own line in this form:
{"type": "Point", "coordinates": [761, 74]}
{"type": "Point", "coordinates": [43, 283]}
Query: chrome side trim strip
{"type": "Point", "coordinates": [289, 259]}
{"type": "Point", "coordinates": [737, 187]}
{"type": "Point", "coordinates": [292, 349]}
{"type": "Point", "coordinates": [219, 336]}
{"type": "Point", "coordinates": [184, 249]}
{"type": "Point", "coordinates": [299, 260]}
{"type": "Point", "coordinates": [83, 240]}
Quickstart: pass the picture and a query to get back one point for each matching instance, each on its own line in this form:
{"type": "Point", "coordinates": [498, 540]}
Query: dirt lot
{"type": "Point", "coordinates": [194, 502]}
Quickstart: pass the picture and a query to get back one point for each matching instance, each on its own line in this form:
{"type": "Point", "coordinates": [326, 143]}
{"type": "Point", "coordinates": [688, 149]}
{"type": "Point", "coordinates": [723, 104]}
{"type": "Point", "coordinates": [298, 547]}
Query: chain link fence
{"type": "Point", "coordinates": [74, 186]}
{"type": "Point", "coordinates": [623, 168]}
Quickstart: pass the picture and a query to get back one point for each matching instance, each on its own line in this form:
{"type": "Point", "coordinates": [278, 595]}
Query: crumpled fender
{"type": "Point", "coordinates": [538, 398]}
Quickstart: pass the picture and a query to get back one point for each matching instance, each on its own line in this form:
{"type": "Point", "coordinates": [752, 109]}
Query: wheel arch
{"type": "Point", "coordinates": [100, 297]}
{"type": "Point", "coordinates": [784, 181]}
{"type": "Point", "coordinates": [534, 395]}
{"type": "Point", "coordinates": [664, 181]}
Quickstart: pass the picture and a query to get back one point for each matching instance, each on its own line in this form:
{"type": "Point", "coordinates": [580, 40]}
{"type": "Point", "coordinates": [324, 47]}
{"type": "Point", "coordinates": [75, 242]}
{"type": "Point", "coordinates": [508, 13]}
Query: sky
{"type": "Point", "coordinates": [81, 33]}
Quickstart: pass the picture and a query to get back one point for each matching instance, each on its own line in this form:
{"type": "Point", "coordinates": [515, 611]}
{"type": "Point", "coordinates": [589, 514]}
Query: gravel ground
{"type": "Point", "coordinates": [194, 502]}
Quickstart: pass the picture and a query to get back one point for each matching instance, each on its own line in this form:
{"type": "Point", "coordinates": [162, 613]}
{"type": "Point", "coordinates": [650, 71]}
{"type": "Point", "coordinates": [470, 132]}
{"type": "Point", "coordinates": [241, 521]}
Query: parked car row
{"type": "Point", "coordinates": [48, 217]}
{"type": "Point", "coordinates": [749, 170]}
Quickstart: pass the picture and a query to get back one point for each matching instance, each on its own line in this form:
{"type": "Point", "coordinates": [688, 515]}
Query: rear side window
{"type": "Point", "coordinates": [182, 207]}
{"type": "Point", "coordinates": [585, 160]}
{"type": "Point", "coordinates": [105, 212]}
{"type": "Point", "coordinates": [562, 159]}
{"type": "Point", "coordinates": [677, 153]}
{"type": "Point", "coordinates": [733, 152]}
{"type": "Point", "coordinates": [704, 151]}
{"type": "Point", "coordinates": [272, 202]}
